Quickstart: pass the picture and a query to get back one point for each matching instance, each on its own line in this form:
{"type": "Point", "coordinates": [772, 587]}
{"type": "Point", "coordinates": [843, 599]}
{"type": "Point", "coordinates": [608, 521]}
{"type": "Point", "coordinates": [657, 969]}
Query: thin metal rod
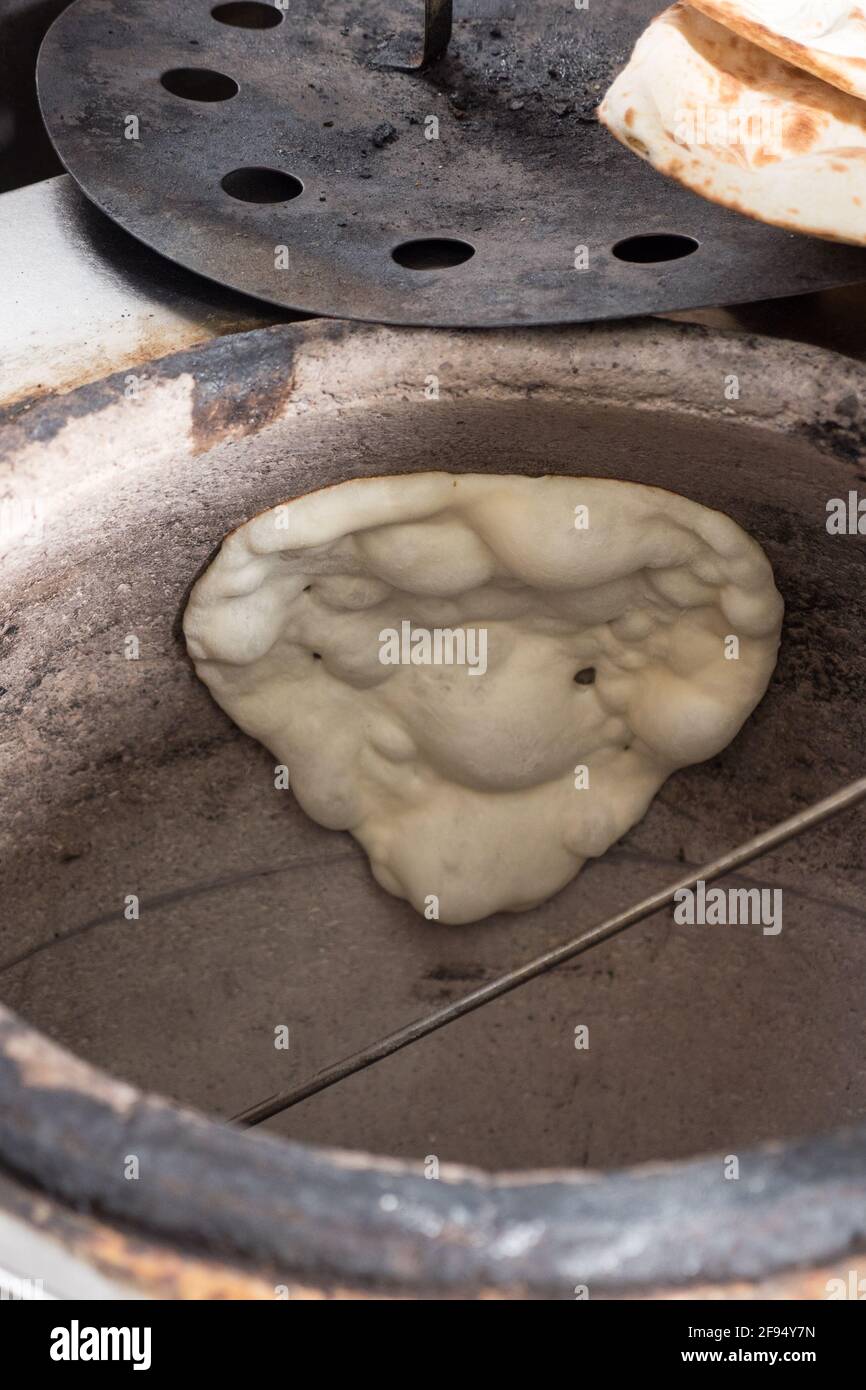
{"type": "Point", "coordinates": [437, 29]}
{"type": "Point", "coordinates": [769, 839]}
{"type": "Point", "coordinates": [437, 35]}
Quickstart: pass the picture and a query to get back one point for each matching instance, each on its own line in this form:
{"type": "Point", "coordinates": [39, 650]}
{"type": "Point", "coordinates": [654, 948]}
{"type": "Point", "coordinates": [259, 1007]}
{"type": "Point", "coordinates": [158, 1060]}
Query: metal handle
{"type": "Point", "coordinates": [437, 32]}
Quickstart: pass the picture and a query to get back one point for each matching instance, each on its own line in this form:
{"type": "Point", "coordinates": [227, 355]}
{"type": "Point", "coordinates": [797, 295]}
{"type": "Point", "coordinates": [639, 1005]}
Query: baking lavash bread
{"type": "Point", "coordinates": [824, 37]}
{"type": "Point", "coordinates": [742, 128]}
{"type": "Point", "coordinates": [606, 610]}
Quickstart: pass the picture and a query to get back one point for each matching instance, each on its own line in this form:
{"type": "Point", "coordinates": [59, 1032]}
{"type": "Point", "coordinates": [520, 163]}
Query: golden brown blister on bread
{"type": "Point", "coordinates": [742, 128]}
{"type": "Point", "coordinates": [818, 48]}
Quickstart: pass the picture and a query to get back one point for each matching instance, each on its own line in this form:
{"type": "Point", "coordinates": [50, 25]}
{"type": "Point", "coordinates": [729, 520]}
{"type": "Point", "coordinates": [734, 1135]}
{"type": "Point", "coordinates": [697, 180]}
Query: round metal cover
{"type": "Point", "coordinates": [277, 149]}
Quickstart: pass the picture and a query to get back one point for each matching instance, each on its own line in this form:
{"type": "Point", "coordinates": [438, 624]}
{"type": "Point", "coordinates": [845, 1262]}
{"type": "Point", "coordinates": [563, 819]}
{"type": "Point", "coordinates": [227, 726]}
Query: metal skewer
{"type": "Point", "coordinates": [374, 1052]}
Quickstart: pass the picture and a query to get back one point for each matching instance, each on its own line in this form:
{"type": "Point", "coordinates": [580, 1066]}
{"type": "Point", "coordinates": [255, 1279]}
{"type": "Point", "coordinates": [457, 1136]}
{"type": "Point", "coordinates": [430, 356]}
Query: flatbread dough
{"type": "Point", "coordinates": [824, 37]}
{"type": "Point", "coordinates": [742, 128]}
{"type": "Point", "coordinates": [606, 610]}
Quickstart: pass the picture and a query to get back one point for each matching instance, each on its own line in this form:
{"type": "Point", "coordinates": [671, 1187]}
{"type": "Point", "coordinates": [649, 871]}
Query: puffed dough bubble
{"type": "Point", "coordinates": [482, 691]}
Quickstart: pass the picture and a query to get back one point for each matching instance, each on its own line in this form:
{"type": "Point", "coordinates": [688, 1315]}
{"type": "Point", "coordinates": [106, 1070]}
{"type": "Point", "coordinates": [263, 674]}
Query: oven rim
{"type": "Point", "coordinates": [317, 1214]}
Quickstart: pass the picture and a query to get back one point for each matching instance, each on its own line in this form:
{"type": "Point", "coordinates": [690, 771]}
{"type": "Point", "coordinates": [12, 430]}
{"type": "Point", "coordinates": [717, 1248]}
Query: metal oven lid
{"type": "Point", "coordinates": [298, 153]}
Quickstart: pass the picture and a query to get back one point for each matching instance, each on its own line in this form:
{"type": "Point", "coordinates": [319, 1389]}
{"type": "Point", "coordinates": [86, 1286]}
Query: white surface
{"type": "Point", "coordinates": [35, 1266]}
{"type": "Point", "coordinates": [81, 299]}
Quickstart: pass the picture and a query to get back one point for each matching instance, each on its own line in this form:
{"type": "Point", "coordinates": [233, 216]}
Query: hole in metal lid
{"type": "Point", "coordinates": [654, 247]}
{"type": "Point", "coordinates": [199, 84]}
{"type": "Point", "coordinates": [261, 185]}
{"type": "Point", "coordinates": [432, 253]}
{"type": "Point", "coordinates": [248, 14]}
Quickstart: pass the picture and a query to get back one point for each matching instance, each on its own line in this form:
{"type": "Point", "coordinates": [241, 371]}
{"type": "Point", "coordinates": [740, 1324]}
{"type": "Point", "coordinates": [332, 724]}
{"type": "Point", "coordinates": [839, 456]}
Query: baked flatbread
{"type": "Point", "coordinates": [825, 37]}
{"type": "Point", "coordinates": [743, 128]}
